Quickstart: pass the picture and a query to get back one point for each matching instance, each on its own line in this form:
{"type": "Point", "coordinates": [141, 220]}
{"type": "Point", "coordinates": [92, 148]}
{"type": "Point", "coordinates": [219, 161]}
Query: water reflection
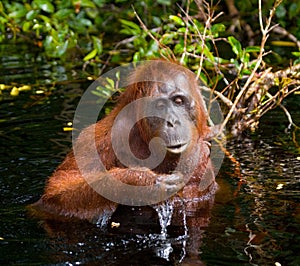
{"type": "Point", "coordinates": [264, 216]}
{"type": "Point", "coordinates": [137, 238]}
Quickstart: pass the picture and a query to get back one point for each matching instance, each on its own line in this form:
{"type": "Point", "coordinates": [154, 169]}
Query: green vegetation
{"type": "Point", "coordinates": [235, 48]}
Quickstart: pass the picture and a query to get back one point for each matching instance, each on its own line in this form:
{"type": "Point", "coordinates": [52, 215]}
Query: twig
{"type": "Point", "coordinates": [170, 53]}
{"type": "Point", "coordinates": [223, 98]}
{"type": "Point", "coordinates": [185, 35]}
{"type": "Point", "coordinates": [288, 115]}
{"type": "Point", "coordinates": [265, 34]}
{"type": "Point", "coordinates": [284, 33]}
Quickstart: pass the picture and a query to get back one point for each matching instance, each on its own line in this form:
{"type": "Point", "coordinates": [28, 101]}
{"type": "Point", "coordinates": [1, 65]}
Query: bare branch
{"type": "Point", "coordinates": [265, 30]}
{"type": "Point", "coordinates": [288, 115]}
{"type": "Point", "coordinates": [144, 27]}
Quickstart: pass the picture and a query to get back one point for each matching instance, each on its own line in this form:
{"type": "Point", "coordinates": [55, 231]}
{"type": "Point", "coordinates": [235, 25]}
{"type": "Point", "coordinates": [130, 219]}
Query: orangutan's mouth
{"type": "Point", "coordinates": [178, 148]}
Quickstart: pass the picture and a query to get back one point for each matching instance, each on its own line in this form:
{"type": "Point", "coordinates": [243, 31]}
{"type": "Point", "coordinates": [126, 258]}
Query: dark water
{"type": "Point", "coordinates": [254, 222]}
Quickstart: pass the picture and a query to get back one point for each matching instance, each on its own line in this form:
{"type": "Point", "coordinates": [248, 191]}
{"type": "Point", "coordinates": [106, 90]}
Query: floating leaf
{"type": "Point", "coordinates": [279, 186]}
{"type": "Point", "coordinates": [25, 88]}
{"type": "Point", "coordinates": [113, 224]}
{"type": "Point", "coordinates": [67, 129]}
{"type": "Point", "coordinates": [14, 91]}
{"type": "Point", "coordinates": [4, 87]}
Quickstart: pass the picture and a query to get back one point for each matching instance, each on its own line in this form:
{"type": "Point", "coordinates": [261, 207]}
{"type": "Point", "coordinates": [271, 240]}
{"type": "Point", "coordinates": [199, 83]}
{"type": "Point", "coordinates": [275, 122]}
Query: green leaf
{"type": "Point", "coordinates": [134, 28]}
{"type": "Point", "coordinates": [63, 14]}
{"type": "Point", "coordinates": [156, 20]}
{"type": "Point", "coordinates": [179, 48]}
{"type": "Point", "coordinates": [97, 93]}
{"type": "Point", "coordinates": [197, 25]}
{"type": "Point", "coordinates": [26, 26]}
{"type": "Point", "coordinates": [297, 61]}
{"type": "Point", "coordinates": [217, 28]}
{"type": "Point", "coordinates": [20, 13]}
{"type": "Point", "coordinates": [177, 20]}
{"type": "Point", "coordinates": [48, 42]}
{"type": "Point", "coordinates": [118, 75]}
{"type": "Point", "coordinates": [235, 45]}
{"type": "Point", "coordinates": [164, 2]}
{"type": "Point", "coordinates": [92, 13]}
{"type": "Point", "coordinates": [45, 18]}
{"type": "Point", "coordinates": [294, 10]}
{"type": "Point", "coordinates": [85, 22]}
{"type": "Point", "coordinates": [32, 14]}
{"type": "Point", "coordinates": [208, 54]}
{"type": "Point", "coordinates": [100, 3]}
{"type": "Point", "coordinates": [44, 5]}
{"type": "Point", "coordinates": [153, 48]}
{"type": "Point", "coordinates": [181, 30]}
{"type": "Point", "coordinates": [111, 83]}
{"type": "Point", "coordinates": [203, 78]}
{"type": "Point", "coordinates": [90, 55]}
{"type": "Point", "coordinates": [245, 58]}
{"type": "Point", "coordinates": [168, 38]}
{"type": "Point", "coordinates": [62, 48]}
{"type": "Point", "coordinates": [252, 49]}
{"type": "Point", "coordinates": [97, 44]}
{"type": "Point", "coordinates": [37, 26]}
{"type": "Point", "coordinates": [136, 57]}
{"type": "Point", "coordinates": [87, 3]}
{"type": "Point", "coordinates": [280, 11]}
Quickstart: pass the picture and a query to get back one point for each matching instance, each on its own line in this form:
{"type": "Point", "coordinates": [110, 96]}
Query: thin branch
{"type": "Point", "coordinates": [284, 33]}
{"type": "Point", "coordinates": [185, 34]}
{"type": "Point", "coordinates": [170, 53]}
{"type": "Point", "coordinates": [265, 36]}
{"type": "Point", "coordinates": [223, 98]}
{"type": "Point", "coordinates": [288, 115]}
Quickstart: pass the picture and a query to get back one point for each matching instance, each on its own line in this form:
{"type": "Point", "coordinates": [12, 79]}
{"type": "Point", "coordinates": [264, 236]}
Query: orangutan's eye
{"type": "Point", "coordinates": [178, 100]}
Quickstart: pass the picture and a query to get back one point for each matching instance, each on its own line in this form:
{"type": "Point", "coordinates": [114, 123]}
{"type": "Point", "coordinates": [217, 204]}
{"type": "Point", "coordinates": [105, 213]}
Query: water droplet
{"type": "Point", "coordinates": [165, 213]}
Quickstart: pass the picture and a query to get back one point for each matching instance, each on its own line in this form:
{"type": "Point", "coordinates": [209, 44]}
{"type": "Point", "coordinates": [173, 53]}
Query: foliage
{"type": "Point", "coordinates": [60, 27]}
{"type": "Point", "coordinates": [230, 51]}
{"type": "Point", "coordinates": [244, 81]}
